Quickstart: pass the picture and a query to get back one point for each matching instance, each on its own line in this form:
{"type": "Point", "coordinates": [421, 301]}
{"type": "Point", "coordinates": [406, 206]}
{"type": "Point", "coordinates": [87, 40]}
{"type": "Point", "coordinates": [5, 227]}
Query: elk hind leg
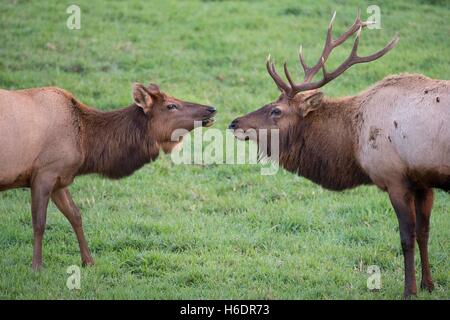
{"type": "Point", "coordinates": [41, 189]}
{"type": "Point", "coordinates": [402, 200]}
{"type": "Point", "coordinates": [424, 204]}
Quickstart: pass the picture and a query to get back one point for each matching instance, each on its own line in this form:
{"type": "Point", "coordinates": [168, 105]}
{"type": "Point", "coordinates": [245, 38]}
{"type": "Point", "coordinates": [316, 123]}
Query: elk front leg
{"type": "Point", "coordinates": [63, 200]}
{"type": "Point", "coordinates": [424, 203]}
{"type": "Point", "coordinates": [402, 200]}
{"type": "Point", "coordinates": [41, 189]}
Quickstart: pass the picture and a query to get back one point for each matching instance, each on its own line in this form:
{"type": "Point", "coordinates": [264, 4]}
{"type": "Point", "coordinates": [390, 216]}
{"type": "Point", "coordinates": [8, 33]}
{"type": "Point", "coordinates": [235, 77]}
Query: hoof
{"type": "Point", "coordinates": [427, 285]}
{"type": "Point", "coordinates": [88, 262]}
{"type": "Point", "coordinates": [409, 295]}
{"type": "Point", "coordinates": [36, 267]}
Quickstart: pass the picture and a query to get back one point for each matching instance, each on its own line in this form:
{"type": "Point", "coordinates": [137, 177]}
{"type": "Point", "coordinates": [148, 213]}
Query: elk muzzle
{"type": "Point", "coordinates": [242, 132]}
{"type": "Point", "coordinates": [208, 120]}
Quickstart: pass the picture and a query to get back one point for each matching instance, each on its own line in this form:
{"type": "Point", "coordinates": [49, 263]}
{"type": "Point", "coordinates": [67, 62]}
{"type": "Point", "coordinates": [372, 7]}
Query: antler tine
{"type": "Point", "coordinates": [323, 68]}
{"type": "Point", "coordinates": [327, 47]}
{"type": "Point", "coordinates": [302, 60]}
{"type": "Point", "coordinates": [356, 25]}
{"type": "Point", "coordinates": [354, 52]}
{"type": "Point", "coordinates": [330, 25]}
{"type": "Point", "coordinates": [276, 78]}
{"type": "Point", "coordinates": [329, 39]}
{"type": "Point", "coordinates": [288, 75]}
{"type": "Point", "coordinates": [381, 52]}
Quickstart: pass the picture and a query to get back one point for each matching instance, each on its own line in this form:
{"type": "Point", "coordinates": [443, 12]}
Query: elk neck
{"type": "Point", "coordinates": [322, 146]}
{"type": "Point", "coordinates": [115, 143]}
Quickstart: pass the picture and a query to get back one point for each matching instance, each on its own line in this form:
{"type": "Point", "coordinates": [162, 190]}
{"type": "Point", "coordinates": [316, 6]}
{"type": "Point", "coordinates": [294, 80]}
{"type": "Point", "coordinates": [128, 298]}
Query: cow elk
{"type": "Point", "coordinates": [47, 138]}
{"type": "Point", "coordinates": [395, 135]}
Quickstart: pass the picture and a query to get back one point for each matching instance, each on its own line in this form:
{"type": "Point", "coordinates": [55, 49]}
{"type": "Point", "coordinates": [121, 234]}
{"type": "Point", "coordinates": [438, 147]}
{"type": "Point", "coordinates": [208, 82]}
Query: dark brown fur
{"type": "Point", "coordinates": [116, 143]}
{"type": "Point", "coordinates": [321, 147]}
{"type": "Point", "coordinates": [423, 179]}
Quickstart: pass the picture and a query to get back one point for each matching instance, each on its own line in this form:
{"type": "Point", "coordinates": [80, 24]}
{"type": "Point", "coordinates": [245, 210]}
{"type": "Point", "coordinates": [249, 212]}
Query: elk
{"type": "Point", "coordinates": [47, 138]}
{"type": "Point", "coordinates": [394, 135]}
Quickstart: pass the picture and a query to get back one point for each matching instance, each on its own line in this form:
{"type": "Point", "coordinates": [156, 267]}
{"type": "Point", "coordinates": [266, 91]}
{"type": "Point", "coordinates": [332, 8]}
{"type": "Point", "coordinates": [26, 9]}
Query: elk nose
{"type": "Point", "coordinates": [233, 124]}
{"type": "Point", "coordinates": [211, 109]}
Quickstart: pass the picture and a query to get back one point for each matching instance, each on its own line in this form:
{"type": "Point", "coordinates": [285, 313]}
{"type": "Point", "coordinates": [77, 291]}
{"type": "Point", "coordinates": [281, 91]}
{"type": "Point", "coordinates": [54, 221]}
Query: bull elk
{"type": "Point", "coordinates": [395, 135]}
{"type": "Point", "coordinates": [47, 138]}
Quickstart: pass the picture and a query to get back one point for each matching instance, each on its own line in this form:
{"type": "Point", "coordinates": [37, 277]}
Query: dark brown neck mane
{"type": "Point", "coordinates": [116, 143]}
{"type": "Point", "coordinates": [322, 147]}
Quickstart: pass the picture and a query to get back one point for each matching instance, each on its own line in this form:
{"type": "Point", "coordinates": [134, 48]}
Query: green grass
{"type": "Point", "coordinates": [185, 231]}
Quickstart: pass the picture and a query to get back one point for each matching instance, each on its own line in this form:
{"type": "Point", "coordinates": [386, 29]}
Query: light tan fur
{"type": "Point", "coordinates": [405, 128]}
{"type": "Point", "coordinates": [37, 130]}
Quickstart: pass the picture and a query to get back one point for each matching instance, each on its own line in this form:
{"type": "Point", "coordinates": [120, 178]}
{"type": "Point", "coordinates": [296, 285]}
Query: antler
{"type": "Point", "coordinates": [292, 88]}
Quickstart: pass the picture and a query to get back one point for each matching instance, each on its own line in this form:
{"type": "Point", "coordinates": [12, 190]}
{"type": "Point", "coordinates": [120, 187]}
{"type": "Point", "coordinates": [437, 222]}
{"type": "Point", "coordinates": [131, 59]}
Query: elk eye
{"type": "Point", "coordinates": [172, 106]}
{"type": "Point", "coordinates": [275, 112]}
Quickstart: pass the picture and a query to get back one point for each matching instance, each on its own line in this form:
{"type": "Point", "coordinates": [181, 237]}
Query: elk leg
{"type": "Point", "coordinates": [424, 203]}
{"type": "Point", "coordinates": [403, 202]}
{"type": "Point", "coordinates": [41, 189]}
{"type": "Point", "coordinates": [63, 200]}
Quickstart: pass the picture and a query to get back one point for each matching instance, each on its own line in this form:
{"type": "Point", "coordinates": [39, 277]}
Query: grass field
{"type": "Point", "coordinates": [219, 231]}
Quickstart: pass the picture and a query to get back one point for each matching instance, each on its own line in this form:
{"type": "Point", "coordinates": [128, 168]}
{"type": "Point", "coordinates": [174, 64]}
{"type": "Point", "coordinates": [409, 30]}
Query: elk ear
{"type": "Point", "coordinates": [142, 97]}
{"type": "Point", "coordinates": [154, 90]}
{"type": "Point", "coordinates": [311, 102]}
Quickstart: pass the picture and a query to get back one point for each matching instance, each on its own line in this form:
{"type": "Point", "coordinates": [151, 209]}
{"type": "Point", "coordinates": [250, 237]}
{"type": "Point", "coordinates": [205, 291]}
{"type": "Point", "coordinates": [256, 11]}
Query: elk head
{"type": "Point", "coordinates": [166, 114]}
{"type": "Point", "coordinates": [297, 100]}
